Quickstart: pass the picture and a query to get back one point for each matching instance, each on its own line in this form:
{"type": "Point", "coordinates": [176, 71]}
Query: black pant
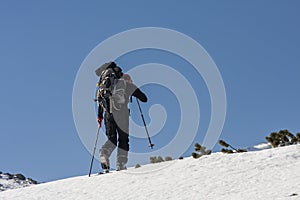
{"type": "Point", "coordinates": [117, 135]}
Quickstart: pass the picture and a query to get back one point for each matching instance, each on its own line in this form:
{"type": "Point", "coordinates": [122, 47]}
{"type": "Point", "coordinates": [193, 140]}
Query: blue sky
{"type": "Point", "coordinates": [255, 45]}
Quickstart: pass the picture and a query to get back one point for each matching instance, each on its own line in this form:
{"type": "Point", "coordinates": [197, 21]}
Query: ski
{"type": "Point", "coordinates": [101, 173]}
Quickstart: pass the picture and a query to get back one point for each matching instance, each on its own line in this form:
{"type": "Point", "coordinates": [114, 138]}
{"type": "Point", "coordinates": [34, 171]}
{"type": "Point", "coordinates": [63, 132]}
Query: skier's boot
{"type": "Point", "coordinates": [104, 160]}
{"type": "Point", "coordinates": [121, 166]}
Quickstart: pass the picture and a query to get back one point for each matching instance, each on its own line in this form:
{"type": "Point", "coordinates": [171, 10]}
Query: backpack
{"type": "Point", "coordinates": [107, 82]}
{"type": "Point", "coordinates": [109, 74]}
{"type": "Point", "coordinates": [118, 96]}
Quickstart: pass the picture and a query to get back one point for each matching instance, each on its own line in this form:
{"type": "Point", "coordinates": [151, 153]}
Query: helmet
{"type": "Point", "coordinates": [127, 78]}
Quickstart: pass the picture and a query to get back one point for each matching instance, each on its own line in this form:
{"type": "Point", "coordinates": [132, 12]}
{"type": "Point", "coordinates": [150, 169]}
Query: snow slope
{"type": "Point", "coordinates": [269, 174]}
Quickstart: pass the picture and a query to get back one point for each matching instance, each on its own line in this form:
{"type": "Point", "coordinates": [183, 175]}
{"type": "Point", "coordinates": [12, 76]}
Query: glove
{"type": "Point", "coordinates": [100, 120]}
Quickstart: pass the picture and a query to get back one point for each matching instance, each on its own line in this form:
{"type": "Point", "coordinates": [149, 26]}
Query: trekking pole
{"type": "Point", "coordinates": [150, 144]}
{"type": "Point", "coordinates": [94, 150]}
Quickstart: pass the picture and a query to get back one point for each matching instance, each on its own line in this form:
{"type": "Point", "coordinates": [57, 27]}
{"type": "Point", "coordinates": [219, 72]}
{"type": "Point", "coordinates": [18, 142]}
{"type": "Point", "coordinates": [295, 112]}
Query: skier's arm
{"type": "Point", "coordinates": [100, 105]}
{"type": "Point", "coordinates": [100, 114]}
{"type": "Point", "coordinates": [140, 95]}
{"type": "Point", "coordinates": [100, 111]}
{"type": "Point", "coordinates": [133, 90]}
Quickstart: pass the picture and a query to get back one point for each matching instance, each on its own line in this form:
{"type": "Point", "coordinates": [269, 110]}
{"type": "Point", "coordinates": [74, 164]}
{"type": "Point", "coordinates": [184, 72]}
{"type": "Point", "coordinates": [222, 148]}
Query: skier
{"type": "Point", "coordinates": [116, 116]}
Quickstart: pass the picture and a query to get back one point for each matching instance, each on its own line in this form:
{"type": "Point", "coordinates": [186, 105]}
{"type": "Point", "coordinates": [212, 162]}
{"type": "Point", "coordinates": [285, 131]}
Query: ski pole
{"type": "Point", "coordinates": [150, 144]}
{"type": "Point", "coordinates": [94, 150]}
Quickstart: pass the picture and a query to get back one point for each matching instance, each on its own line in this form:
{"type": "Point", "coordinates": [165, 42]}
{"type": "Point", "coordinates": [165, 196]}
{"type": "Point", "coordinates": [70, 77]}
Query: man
{"type": "Point", "coordinates": [113, 98]}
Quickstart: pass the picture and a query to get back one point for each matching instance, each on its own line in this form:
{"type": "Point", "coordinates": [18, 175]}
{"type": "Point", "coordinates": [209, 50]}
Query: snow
{"type": "Point", "coordinates": [268, 174]}
{"type": "Point", "coordinates": [259, 147]}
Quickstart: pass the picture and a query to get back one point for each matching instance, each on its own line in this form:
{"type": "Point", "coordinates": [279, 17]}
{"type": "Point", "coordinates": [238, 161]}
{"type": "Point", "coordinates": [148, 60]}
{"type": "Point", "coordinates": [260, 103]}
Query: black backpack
{"type": "Point", "coordinates": [109, 74]}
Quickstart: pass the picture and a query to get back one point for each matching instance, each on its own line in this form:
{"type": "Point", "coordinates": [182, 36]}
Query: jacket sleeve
{"type": "Point", "coordinates": [100, 111]}
{"type": "Point", "coordinates": [140, 95]}
{"type": "Point", "coordinates": [136, 92]}
{"type": "Point", "coordinates": [100, 105]}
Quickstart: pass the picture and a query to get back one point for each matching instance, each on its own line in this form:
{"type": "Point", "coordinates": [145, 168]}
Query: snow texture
{"type": "Point", "coordinates": [260, 147]}
{"type": "Point", "coordinates": [269, 174]}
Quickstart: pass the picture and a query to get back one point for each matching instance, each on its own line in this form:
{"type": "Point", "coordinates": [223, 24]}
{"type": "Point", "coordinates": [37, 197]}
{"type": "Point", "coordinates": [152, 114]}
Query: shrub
{"type": "Point", "coordinates": [201, 150]}
{"type": "Point", "coordinates": [282, 138]}
{"type": "Point", "coordinates": [196, 155]}
{"type": "Point", "coordinates": [168, 158]}
{"type": "Point", "coordinates": [298, 137]}
{"type": "Point", "coordinates": [226, 150]}
{"type": "Point", "coordinates": [156, 159]}
{"type": "Point", "coordinates": [137, 166]}
{"type": "Point", "coordinates": [153, 159]}
{"type": "Point", "coordinates": [159, 159]}
{"type": "Point", "coordinates": [241, 150]}
{"type": "Point", "coordinates": [225, 144]}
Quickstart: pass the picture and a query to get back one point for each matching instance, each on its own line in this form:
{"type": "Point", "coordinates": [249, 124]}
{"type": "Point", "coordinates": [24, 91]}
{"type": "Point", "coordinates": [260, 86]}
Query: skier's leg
{"type": "Point", "coordinates": [123, 145]}
{"type": "Point", "coordinates": [111, 142]}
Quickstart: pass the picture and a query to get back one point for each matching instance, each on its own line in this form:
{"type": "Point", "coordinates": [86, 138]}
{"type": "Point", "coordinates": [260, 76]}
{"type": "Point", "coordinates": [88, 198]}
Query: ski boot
{"type": "Point", "coordinates": [121, 166]}
{"type": "Point", "coordinates": [104, 160]}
